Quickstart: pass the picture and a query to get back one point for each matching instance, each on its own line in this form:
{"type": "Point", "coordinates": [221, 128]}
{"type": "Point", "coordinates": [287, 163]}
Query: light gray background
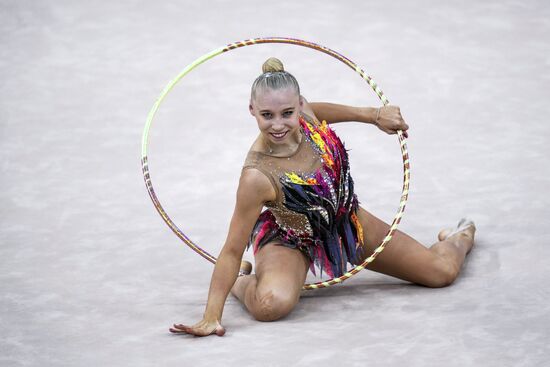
{"type": "Point", "coordinates": [91, 276]}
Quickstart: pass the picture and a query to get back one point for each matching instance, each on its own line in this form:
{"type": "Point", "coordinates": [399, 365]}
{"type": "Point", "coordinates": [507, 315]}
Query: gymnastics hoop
{"type": "Point", "coordinates": [292, 41]}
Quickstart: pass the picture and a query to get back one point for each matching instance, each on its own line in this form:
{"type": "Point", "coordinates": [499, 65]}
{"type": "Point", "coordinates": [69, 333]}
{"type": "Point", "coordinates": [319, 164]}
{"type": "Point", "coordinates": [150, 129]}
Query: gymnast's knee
{"type": "Point", "coordinates": [271, 306]}
{"type": "Point", "coordinates": [442, 274]}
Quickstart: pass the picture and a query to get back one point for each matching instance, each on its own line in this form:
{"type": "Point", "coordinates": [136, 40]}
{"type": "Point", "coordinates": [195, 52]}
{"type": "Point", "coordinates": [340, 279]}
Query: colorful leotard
{"type": "Point", "coordinates": [315, 209]}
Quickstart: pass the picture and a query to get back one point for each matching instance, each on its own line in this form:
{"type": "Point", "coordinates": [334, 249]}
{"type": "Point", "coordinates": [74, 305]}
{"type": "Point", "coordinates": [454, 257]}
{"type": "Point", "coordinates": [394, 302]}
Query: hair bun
{"type": "Point", "coordinates": [272, 64]}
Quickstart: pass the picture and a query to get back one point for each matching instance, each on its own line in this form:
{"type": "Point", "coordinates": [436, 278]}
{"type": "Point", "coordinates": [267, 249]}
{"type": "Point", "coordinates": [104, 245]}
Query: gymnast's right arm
{"type": "Point", "coordinates": [253, 192]}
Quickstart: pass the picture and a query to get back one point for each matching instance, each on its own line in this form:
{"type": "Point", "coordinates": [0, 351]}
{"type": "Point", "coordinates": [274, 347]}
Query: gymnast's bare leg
{"type": "Point", "coordinates": [407, 259]}
{"type": "Point", "coordinates": [273, 291]}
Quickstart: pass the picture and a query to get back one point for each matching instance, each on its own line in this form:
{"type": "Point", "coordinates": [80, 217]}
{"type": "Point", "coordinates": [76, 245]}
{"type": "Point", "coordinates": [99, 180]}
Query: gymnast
{"type": "Point", "coordinates": [298, 169]}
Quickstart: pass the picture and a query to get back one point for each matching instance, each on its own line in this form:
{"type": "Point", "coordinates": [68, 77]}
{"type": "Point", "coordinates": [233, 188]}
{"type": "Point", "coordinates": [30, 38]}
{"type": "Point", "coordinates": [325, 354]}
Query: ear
{"type": "Point", "coordinates": [251, 108]}
{"type": "Point", "coordinates": [301, 102]}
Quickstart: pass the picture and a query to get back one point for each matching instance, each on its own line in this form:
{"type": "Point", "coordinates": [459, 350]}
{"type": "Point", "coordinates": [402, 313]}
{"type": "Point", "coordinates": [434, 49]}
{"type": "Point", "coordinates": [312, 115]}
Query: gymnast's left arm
{"type": "Point", "coordinates": [387, 118]}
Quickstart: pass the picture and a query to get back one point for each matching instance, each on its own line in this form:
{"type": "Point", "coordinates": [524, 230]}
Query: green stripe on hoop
{"type": "Point", "coordinates": [168, 88]}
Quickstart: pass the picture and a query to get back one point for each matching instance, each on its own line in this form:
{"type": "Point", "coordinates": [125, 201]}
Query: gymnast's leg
{"type": "Point", "coordinates": [407, 259]}
{"type": "Point", "coordinates": [273, 291]}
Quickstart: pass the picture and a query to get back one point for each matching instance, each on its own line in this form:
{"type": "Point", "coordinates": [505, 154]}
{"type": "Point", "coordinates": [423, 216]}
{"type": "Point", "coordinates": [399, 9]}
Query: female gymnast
{"type": "Point", "coordinates": [298, 169]}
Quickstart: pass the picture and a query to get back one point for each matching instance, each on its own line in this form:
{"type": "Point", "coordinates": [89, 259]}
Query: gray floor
{"type": "Point", "coordinates": [91, 276]}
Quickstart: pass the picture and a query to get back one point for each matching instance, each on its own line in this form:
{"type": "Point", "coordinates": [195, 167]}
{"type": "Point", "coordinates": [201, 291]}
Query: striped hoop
{"type": "Point", "coordinates": [291, 41]}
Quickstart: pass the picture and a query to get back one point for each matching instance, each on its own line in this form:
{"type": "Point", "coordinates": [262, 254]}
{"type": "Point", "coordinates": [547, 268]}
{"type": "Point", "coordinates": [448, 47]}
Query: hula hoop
{"type": "Point", "coordinates": [255, 41]}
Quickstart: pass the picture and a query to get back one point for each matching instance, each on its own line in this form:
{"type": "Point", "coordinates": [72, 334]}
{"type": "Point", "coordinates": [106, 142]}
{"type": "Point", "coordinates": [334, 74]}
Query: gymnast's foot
{"type": "Point", "coordinates": [246, 268]}
{"type": "Point", "coordinates": [242, 281]}
{"type": "Point", "coordinates": [462, 234]}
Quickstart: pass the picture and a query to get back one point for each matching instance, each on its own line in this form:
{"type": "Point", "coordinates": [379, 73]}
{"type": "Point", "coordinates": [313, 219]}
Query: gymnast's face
{"type": "Point", "coordinates": [277, 112]}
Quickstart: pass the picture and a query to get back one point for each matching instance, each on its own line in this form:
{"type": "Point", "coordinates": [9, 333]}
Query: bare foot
{"type": "Point", "coordinates": [242, 280]}
{"type": "Point", "coordinates": [246, 268]}
{"type": "Point", "coordinates": [462, 234]}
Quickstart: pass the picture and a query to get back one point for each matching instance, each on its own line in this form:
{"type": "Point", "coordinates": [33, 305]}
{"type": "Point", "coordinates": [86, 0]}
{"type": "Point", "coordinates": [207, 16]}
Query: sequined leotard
{"type": "Point", "coordinates": [315, 206]}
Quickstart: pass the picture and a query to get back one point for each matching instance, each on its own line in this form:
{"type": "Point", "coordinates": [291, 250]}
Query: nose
{"type": "Point", "coordinates": [278, 125]}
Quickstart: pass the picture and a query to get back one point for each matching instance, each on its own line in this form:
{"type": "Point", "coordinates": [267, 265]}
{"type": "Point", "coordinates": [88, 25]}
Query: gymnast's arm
{"type": "Point", "coordinates": [387, 118]}
{"type": "Point", "coordinates": [254, 190]}
{"type": "Point", "coordinates": [333, 113]}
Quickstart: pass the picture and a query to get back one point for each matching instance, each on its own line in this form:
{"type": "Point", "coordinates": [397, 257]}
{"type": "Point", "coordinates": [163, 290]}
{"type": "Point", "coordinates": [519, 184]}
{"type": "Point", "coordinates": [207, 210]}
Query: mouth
{"type": "Point", "coordinates": [279, 135]}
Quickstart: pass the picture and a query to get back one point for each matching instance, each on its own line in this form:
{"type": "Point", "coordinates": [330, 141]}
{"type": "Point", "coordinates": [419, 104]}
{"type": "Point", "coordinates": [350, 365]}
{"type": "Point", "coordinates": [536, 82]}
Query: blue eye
{"type": "Point", "coordinates": [266, 115]}
{"type": "Point", "coordinates": [288, 113]}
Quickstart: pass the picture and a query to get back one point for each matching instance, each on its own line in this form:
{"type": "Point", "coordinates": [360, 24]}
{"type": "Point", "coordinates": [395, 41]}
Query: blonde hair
{"type": "Point", "coordinates": [274, 77]}
{"type": "Point", "coordinates": [272, 65]}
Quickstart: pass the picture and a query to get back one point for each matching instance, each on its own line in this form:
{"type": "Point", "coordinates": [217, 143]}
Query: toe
{"type": "Point", "coordinates": [443, 234]}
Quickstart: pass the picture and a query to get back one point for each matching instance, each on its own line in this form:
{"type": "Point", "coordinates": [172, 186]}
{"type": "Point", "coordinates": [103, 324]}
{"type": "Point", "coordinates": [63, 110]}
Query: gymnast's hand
{"type": "Point", "coordinates": [202, 328]}
{"type": "Point", "coordinates": [389, 120]}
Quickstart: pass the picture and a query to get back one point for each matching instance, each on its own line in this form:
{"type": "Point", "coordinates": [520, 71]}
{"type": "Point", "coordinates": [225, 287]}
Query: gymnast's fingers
{"type": "Point", "coordinates": [181, 329]}
{"type": "Point", "coordinates": [201, 329]}
{"type": "Point", "coordinates": [181, 326]}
